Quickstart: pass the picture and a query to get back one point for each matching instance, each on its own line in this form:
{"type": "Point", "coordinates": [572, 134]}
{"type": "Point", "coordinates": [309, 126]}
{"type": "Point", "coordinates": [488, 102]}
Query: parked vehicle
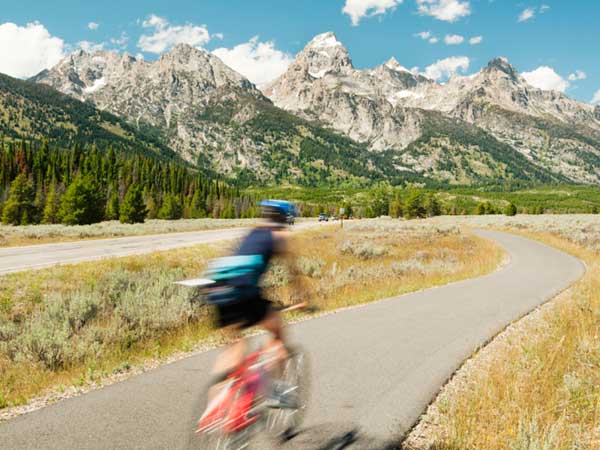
{"type": "Point", "coordinates": [323, 217]}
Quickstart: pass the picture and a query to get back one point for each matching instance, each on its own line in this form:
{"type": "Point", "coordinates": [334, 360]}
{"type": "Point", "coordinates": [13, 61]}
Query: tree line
{"type": "Point", "coordinates": [79, 185]}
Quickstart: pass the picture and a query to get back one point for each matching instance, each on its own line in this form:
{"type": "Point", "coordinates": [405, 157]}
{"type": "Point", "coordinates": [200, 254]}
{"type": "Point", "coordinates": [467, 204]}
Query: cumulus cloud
{"type": "Point", "coordinates": [427, 36]}
{"type": "Point", "coordinates": [357, 9]}
{"type": "Point", "coordinates": [32, 49]}
{"type": "Point", "coordinates": [260, 62]}
{"type": "Point", "coordinates": [165, 36]}
{"type": "Point", "coordinates": [476, 40]}
{"type": "Point", "coordinates": [546, 78]}
{"type": "Point", "coordinates": [577, 75]}
{"type": "Point", "coordinates": [445, 68]}
{"type": "Point", "coordinates": [93, 25]}
{"type": "Point", "coordinates": [596, 99]}
{"type": "Point", "coordinates": [453, 39]}
{"type": "Point", "coordinates": [527, 14]}
{"type": "Point", "coordinates": [446, 10]}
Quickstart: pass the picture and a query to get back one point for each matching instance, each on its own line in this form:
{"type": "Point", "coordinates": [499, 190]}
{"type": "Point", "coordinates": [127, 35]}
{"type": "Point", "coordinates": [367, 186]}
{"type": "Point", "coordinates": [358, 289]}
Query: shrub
{"type": "Point", "coordinates": [311, 267]}
{"type": "Point", "coordinates": [363, 250]}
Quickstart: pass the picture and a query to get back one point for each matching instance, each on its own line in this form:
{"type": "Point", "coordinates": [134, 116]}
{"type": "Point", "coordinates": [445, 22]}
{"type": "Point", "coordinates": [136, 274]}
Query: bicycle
{"type": "Point", "coordinates": [244, 405]}
{"type": "Point", "coordinates": [241, 409]}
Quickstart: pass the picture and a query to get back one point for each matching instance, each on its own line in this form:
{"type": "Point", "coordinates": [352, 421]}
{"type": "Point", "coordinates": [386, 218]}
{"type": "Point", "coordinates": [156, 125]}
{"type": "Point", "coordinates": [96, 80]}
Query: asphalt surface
{"type": "Point", "coordinates": [17, 259]}
{"type": "Point", "coordinates": [375, 367]}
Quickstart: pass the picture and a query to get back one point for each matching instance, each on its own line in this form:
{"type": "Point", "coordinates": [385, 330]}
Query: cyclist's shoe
{"type": "Point", "coordinates": [282, 396]}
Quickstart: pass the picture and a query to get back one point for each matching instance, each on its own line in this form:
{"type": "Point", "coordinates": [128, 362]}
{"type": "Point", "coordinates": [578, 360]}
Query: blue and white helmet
{"type": "Point", "coordinates": [277, 210]}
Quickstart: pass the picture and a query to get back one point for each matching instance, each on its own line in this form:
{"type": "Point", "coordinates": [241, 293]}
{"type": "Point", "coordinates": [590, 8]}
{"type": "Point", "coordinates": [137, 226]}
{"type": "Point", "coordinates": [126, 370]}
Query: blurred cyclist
{"type": "Point", "coordinates": [247, 306]}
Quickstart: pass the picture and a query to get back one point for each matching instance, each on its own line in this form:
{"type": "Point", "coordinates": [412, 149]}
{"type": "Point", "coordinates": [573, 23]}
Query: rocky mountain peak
{"type": "Point", "coordinates": [393, 64]}
{"type": "Point", "coordinates": [325, 54]}
{"type": "Point", "coordinates": [597, 112]}
{"type": "Point", "coordinates": [502, 65]}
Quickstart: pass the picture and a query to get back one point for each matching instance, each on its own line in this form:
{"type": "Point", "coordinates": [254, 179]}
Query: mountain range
{"type": "Point", "coordinates": [325, 120]}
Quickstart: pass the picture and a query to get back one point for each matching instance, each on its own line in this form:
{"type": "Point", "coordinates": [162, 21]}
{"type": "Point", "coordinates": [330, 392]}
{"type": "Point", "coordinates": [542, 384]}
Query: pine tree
{"type": "Point", "coordinates": [414, 206]}
{"type": "Point", "coordinates": [433, 206]}
{"type": "Point", "coordinates": [112, 206]}
{"type": "Point", "coordinates": [198, 206]}
{"type": "Point", "coordinates": [171, 208]}
{"type": "Point", "coordinates": [52, 206]}
{"type": "Point", "coordinates": [19, 208]}
{"type": "Point", "coordinates": [133, 209]}
{"type": "Point", "coordinates": [82, 203]}
{"type": "Point", "coordinates": [511, 210]}
{"type": "Point", "coordinates": [480, 210]}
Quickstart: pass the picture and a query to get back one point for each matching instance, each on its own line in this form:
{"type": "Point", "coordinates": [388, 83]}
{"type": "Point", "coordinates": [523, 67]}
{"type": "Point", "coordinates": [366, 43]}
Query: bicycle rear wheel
{"type": "Point", "coordinates": [285, 421]}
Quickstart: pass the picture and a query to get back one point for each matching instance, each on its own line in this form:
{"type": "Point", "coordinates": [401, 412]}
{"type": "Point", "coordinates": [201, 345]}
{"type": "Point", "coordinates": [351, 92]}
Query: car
{"type": "Point", "coordinates": [291, 219]}
{"type": "Point", "coordinates": [323, 217]}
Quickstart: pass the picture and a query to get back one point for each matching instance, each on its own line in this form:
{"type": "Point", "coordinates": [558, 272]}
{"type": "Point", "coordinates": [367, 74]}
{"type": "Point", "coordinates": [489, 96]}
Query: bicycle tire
{"type": "Point", "coordinates": [284, 423]}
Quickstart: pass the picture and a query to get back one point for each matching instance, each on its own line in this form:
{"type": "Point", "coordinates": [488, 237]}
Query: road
{"type": "Point", "coordinates": [17, 259]}
{"type": "Point", "coordinates": [375, 367]}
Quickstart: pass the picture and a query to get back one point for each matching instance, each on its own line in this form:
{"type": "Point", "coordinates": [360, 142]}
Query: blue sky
{"type": "Point", "coordinates": [548, 39]}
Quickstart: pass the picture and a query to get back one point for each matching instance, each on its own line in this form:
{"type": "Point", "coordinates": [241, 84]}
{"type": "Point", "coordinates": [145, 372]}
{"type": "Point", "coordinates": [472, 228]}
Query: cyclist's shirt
{"type": "Point", "coordinates": [259, 241]}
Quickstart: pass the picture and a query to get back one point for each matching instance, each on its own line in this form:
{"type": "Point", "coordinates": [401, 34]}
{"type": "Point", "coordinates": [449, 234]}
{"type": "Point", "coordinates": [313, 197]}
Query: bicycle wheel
{"type": "Point", "coordinates": [285, 421]}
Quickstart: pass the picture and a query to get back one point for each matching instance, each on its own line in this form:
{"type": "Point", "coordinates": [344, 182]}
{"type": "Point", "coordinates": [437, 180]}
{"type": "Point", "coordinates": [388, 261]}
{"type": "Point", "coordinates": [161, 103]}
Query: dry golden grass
{"type": "Point", "coordinates": [537, 385]}
{"type": "Point", "coordinates": [121, 312]}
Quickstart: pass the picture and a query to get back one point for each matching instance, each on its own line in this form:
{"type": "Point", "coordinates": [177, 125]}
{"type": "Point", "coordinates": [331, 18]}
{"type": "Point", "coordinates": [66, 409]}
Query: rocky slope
{"type": "Point", "coordinates": [213, 116]}
{"type": "Point", "coordinates": [390, 107]}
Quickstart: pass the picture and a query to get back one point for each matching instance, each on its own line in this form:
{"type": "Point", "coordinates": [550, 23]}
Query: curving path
{"type": "Point", "coordinates": [376, 367]}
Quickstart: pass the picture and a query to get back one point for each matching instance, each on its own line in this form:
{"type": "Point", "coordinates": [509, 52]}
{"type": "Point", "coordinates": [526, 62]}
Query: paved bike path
{"type": "Point", "coordinates": [375, 367]}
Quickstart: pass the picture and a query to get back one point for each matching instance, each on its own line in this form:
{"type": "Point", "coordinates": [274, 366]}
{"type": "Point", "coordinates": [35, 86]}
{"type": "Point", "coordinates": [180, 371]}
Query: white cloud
{"type": "Point", "coordinates": [596, 99]}
{"type": "Point", "coordinates": [139, 57]}
{"type": "Point", "coordinates": [165, 36]}
{"type": "Point", "coordinates": [121, 41]}
{"type": "Point", "coordinates": [90, 47]}
{"type": "Point", "coordinates": [447, 67]}
{"type": "Point", "coordinates": [446, 10]}
{"type": "Point", "coordinates": [260, 62]}
{"type": "Point", "coordinates": [27, 50]}
{"type": "Point", "coordinates": [454, 39]}
{"type": "Point", "coordinates": [577, 75]}
{"type": "Point", "coordinates": [546, 78]}
{"type": "Point", "coordinates": [476, 40]}
{"type": "Point", "coordinates": [544, 8]}
{"type": "Point", "coordinates": [427, 36]}
{"type": "Point", "coordinates": [93, 25]}
{"type": "Point", "coordinates": [357, 9]}
{"type": "Point", "coordinates": [527, 14]}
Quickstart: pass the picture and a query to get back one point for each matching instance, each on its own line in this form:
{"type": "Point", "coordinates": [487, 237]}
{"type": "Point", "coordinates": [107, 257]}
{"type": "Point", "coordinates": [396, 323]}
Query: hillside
{"type": "Point", "coordinates": [37, 112]}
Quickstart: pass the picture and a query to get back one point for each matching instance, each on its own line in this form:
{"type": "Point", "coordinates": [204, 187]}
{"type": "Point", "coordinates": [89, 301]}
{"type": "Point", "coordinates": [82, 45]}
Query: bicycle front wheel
{"type": "Point", "coordinates": [284, 421]}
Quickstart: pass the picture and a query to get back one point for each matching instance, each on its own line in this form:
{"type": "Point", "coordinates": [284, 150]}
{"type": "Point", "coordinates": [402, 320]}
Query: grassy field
{"type": "Point", "coordinates": [43, 234]}
{"type": "Point", "coordinates": [537, 385]}
{"type": "Point", "coordinates": [74, 325]}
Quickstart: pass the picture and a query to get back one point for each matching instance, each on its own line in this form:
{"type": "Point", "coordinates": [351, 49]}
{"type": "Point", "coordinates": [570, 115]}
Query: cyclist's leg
{"type": "Point", "coordinates": [273, 323]}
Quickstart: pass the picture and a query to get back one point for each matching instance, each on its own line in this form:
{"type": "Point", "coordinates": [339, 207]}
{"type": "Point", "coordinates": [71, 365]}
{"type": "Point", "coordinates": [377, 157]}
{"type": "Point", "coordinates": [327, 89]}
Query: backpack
{"type": "Point", "coordinates": [223, 271]}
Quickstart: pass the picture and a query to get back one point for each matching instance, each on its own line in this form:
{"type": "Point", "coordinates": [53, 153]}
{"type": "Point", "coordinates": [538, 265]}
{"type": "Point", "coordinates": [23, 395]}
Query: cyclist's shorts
{"type": "Point", "coordinates": [249, 309]}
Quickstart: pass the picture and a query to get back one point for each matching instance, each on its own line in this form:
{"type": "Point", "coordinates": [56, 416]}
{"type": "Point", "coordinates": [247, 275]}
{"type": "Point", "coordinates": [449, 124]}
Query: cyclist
{"type": "Point", "coordinates": [248, 307]}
